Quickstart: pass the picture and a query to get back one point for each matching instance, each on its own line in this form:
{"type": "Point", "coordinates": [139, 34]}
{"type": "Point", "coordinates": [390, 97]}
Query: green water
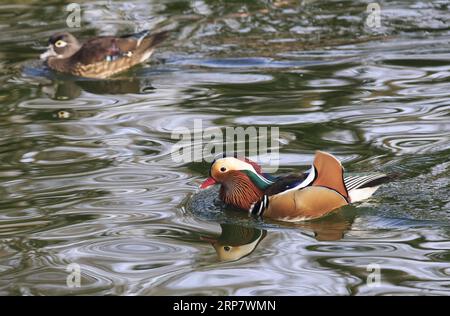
{"type": "Point", "coordinates": [87, 176]}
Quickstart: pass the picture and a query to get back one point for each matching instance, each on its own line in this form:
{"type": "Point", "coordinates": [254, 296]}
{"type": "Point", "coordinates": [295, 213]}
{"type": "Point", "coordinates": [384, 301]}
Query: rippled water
{"type": "Point", "coordinates": [86, 174]}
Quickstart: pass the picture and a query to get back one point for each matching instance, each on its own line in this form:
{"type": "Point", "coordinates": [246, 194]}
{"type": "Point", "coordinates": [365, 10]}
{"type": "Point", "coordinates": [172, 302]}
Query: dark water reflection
{"type": "Point", "coordinates": [86, 174]}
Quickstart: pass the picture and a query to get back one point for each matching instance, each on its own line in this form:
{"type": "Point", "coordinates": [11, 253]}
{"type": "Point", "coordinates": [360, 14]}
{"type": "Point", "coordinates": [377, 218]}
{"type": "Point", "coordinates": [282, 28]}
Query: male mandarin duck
{"type": "Point", "coordinates": [99, 57]}
{"type": "Point", "coordinates": [293, 197]}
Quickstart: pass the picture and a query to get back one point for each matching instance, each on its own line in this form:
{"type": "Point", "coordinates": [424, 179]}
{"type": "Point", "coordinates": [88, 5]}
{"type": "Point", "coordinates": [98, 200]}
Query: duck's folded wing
{"type": "Point", "coordinates": [326, 171]}
{"type": "Point", "coordinates": [286, 183]}
{"type": "Point", "coordinates": [329, 173]}
{"type": "Point", "coordinates": [111, 48]}
{"type": "Point", "coordinates": [104, 49]}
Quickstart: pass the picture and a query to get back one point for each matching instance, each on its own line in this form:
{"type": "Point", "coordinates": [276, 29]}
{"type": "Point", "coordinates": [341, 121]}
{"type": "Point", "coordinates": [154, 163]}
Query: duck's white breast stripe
{"type": "Point", "coordinates": [261, 205]}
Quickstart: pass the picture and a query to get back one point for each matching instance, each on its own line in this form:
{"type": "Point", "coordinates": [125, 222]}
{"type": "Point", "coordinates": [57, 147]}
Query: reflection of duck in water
{"type": "Point", "coordinates": [70, 89]}
{"type": "Point", "coordinates": [330, 228]}
{"type": "Point", "coordinates": [236, 241]}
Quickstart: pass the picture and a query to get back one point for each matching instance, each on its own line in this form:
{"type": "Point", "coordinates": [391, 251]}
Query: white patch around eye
{"type": "Point", "coordinates": [232, 163]}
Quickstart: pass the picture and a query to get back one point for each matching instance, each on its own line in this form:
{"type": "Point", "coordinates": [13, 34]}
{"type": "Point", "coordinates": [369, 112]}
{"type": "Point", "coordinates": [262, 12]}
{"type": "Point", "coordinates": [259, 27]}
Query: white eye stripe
{"type": "Point", "coordinates": [238, 164]}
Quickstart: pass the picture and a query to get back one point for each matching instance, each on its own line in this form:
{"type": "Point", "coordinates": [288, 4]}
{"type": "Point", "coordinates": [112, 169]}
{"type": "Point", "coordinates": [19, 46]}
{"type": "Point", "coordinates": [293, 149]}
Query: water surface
{"type": "Point", "coordinates": [86, 174]}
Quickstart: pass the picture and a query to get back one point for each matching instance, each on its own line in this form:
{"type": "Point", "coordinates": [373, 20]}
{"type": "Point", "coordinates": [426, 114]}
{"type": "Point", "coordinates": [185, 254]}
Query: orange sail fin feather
{"type": "Point", "coordinates": [330, 173]}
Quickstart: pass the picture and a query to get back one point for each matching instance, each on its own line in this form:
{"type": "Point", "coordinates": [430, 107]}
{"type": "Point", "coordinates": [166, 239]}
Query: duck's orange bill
{"type": "Point", "coordinates": [207, 183]}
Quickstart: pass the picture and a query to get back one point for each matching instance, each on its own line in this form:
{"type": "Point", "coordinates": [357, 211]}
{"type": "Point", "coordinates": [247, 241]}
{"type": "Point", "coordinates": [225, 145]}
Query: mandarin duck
{"type": "Point", "coordinates": [99, 57]}
{"type": "Point", "coordinates": [235, 241]}
{"type": "Point", "coordinates": [311, 195]}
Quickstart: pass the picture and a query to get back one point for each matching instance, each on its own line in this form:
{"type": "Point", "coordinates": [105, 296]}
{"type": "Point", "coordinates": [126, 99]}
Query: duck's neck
{"type": "Point", "coordinates": [59, 64]}
{"type": "Point", "coordinates": [239, 191]}
{"type": "Point", "coordinates": [63, 64]}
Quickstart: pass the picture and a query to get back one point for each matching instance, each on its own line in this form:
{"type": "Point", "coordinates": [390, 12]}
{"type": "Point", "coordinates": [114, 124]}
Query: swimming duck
{"type": "Point", "coordinates": [99, 57]}
{"type": "Point", "coordinates": [311, 195]}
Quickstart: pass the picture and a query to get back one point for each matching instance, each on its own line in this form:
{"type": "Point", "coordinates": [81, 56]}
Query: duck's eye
{"type": "Point", "coordinates": [223, 169]}
{"type": "Point", "coordinates": [60, 43]}
{"type": "Point", "coordinates": [226, 248]}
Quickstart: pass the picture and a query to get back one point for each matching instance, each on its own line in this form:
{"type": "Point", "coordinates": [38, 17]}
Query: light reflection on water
{"type": "Point", "coordinates": [96, 185]}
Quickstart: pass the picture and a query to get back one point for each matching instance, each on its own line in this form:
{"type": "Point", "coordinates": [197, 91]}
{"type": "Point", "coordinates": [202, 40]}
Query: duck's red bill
{"type": "Point", "coordinates": [207, 183]}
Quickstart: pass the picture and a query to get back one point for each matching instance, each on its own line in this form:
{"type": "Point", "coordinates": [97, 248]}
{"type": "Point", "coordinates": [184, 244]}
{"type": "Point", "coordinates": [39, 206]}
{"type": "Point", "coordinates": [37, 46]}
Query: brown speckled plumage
{"type": "Point", "coordinates": [100, 57]}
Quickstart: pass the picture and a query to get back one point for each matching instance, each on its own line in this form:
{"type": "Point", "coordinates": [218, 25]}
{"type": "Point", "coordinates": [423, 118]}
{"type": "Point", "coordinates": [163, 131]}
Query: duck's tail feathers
{"type": "Point", "coordinates": [150, 41]}
{"type": "Point", "coordinates": [362, 187]}
{"type": "Point", "coordinates": [145, 39]}
{"type": "Point", "coordinates": [371, 180]}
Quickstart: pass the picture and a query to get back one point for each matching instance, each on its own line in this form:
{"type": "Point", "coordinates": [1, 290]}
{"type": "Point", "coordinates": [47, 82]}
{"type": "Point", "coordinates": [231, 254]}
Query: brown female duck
{"type": "Point", "coordinates": [99, 57]}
